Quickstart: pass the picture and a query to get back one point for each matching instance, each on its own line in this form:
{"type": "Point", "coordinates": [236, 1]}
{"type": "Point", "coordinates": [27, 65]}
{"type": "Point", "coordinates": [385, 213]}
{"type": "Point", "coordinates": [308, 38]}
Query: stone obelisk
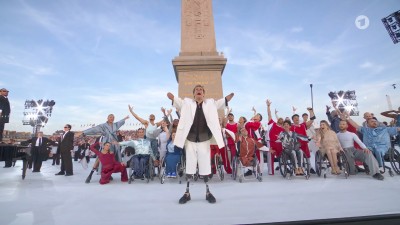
{"type": "Point", "coordinates": [198, 61]}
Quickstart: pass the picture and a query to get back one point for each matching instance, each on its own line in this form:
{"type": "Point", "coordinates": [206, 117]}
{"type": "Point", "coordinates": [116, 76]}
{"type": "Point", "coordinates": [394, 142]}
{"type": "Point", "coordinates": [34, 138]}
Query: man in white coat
{"type": "Point", "coordinates": [198, 128]}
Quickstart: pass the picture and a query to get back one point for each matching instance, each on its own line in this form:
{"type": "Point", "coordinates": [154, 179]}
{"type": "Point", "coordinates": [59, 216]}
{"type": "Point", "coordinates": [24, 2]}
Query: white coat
{"type": "Point", "coordinates": [187, 108]}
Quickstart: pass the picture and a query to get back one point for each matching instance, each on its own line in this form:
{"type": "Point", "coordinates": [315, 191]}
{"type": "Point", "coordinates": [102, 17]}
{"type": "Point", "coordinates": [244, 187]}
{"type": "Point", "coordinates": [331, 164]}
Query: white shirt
{"type": "Point", "coordinates": [347, 140]}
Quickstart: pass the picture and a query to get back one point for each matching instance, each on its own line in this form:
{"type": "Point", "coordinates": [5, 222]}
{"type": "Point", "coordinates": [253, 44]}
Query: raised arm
{"type": "Point", "coordinates": [276, 115]}
{"type": "Point", "coordinates": [144, 122]}
{"type": "Point", "coordinates": [354, 124]}
{"type": "Point", "coordinates": [312, 117]}
{"type": "Point", "coordinates": [269, 109]}
{"type": "Point", "coordinates": [390, 113]}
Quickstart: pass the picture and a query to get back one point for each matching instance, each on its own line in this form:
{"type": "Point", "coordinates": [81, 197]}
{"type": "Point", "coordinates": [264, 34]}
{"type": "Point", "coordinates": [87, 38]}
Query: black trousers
{"type": "Point", "coordinates": [1, 131]}
{"type": "Point", "coordinates": [37, 158]}
{"type": "Point", "coordinates": [66, 163]}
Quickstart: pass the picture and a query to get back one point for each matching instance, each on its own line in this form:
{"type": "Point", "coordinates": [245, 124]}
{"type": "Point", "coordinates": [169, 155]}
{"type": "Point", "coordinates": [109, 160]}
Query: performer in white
{"type": "Point", "coordinates": [198, 128]}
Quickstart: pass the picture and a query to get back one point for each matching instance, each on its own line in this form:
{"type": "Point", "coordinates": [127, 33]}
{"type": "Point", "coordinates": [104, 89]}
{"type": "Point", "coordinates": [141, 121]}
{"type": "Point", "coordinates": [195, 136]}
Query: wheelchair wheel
{"type": "Point", "coordinates": [162, 172]}
{"type": "Point", "coordinates": [258, 172]}
{"type": "Point", "coordinates": [219, 166]}
{"type": "Point", "coordinates": [395, 160]}
{"type": "Point", "coordinates": [343, 164]}
{"type": "Point", "coordinates": [234, 168]}
{"type": "Point", "coordinates": [318, 163]}
{"type": "Point", "coordinates": [162, 176]}
{"type": "Point", "coordinates": [285, 167]}
{"type": "Point", "coordinates": [306, 165]}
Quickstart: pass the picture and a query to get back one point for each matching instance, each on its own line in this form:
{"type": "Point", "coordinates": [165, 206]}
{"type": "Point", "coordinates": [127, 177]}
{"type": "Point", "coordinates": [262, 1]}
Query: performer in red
{"type": "Point", "coordinates": [301, 128]}
{"type": "Point", "coordinates": [109, 164]}
{"type": "Point", "coordinates": [229, 151]}
{"type": "Point", "coordinates": [275, 130]}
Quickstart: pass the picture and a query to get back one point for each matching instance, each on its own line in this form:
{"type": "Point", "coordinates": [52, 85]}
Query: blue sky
{"type": "Point", "coordinates": [96, 57]}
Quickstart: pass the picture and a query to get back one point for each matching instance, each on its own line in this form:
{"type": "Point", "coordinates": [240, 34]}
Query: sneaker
{"type": "Point", "coordinates": [168, 175]}
{"type": "Point", "coordinates": [210, 198]}
{"type": "Point", "coordinates": [277, 168]}
{"type": "Point", "coordinates": [312, 171]}
{"type": "Point", "coordinates": [248, 173]}
{"type": "Point", "coordinates": [381, 170]}
{"type": "Point", "coordinates": [185, 198]}
{"type": "Point", "coordinates": [173, 174]}
{"type": "Point", "coordinates": [378, 176]}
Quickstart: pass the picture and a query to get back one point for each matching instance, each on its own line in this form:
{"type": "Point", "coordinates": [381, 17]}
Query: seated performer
{"type": "Point", "coordinates": [291, 146]}
{"type": "Point", "coordinates": [109, 164]}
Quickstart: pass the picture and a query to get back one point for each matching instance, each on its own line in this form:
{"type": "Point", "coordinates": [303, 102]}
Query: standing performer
{"type": "Point", "coordinates": [198, 126]}
{"type": "Point", "coordinates": [109, 132]}
{"type": "Point", "coordinates": [65, 149]}
{"type": "Point", "coordinates": [5, 110]}
{"type": "Point", "coordinates": [39, 151]}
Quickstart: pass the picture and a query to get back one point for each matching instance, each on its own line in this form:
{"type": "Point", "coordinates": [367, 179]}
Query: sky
{"type": "Point", "coordinates": [94, 58]}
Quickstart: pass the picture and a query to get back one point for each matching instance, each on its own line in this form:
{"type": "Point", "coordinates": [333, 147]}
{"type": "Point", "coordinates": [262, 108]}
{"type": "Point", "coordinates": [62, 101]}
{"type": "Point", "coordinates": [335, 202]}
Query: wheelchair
{"type": "Point", "coordinates": [238, 169]}
{"type": "Point", "coordinates": [286, 166]}
{"type": "Point", "coordinates": [322, 164]}
{"type": "Point", "coordinates": [394, 157]}
{"type": "Point", "coordinates": [218, 165]}
{"type": "Point", "coordinates": [148, 170]}
{"type": "Point", "coordinates": [180, 168]}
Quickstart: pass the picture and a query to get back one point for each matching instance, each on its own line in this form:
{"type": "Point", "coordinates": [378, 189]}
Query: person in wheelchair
{"type": "Point", "coordinates": [143, 152]}
{"type": "Point", "coordinates": [376, 138]}
{"type": "Point", "coordinates": [172, 157]}
{"type": "Point", "coordinates": [109, 164]}
{"type": "Point", "coordinates": [329, 145]}
{"type": "Point", "coordinates": [347, 140]}
{"type": "Point", "coordinates": [246, 147]}
{"type": "Point", "coordinates": [291, 146]}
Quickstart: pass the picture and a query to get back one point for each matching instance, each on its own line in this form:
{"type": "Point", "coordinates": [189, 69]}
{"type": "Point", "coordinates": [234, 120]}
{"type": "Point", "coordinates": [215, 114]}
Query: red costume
{"type": "Point", "coordinates": [276, 146]}
{"type": "Point", "coordinates": [247, 148]}
{"type": "Point", "coordinates": [302, 130]}
{"type": "Point", "coordinates": [251, 128]}
{"type": "Point", "coordinates": [109, 165]}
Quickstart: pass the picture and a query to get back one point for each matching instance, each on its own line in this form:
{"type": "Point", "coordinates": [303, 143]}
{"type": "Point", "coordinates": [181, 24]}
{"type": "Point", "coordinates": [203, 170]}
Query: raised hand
{"type": "Point", "coordinates": [170, 96]}
{"type": "Point", "coordinates": [169, 112]}
{"type": "Point", "coordinates": [229, 97]}
{"type": "Point", "coordinates": [268, 102]}
{"type": "Point", "coordinates": [328, 108]}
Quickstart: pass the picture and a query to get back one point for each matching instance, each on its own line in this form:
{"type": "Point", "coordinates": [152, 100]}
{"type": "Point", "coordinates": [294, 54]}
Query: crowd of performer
{"type": "Point", "coordinates": [198, 129]}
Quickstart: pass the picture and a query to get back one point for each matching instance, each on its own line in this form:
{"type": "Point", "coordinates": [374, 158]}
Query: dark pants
{"type": "Point", "coordinates": [37, 158]}
{"type": "Point", "coordinates": [1, 131]}
{"type": "Point", "coordinates": [56, 159]}
{"type": "Point", "coordinates": [66, 163]}
{"type": "Point", "coordinates": [138, 164]}
{"type": "Point", "coordinates": [77, 155]}
{"type": "Point", "coordinates": [117, 168]}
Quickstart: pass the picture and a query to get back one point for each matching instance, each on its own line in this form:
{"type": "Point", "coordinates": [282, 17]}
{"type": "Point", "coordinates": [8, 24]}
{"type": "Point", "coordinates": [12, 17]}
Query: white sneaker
{"type": "Point", "coordinates": [381, 169]}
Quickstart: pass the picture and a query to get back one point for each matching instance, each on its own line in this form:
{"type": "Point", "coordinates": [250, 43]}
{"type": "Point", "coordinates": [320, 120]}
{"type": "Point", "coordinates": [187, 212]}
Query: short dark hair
{"type": "Point", "coordinates": [260, 116]}
{"type": "Point", "coordinates": [230, 114]}
{"type": "Point", "coordinates": [69, 126]}
{"type": "Point", "coordinates": [288, 122]}
{"type": "Point", "coordinates": [304, 114]}
{"type": "Point", "coordinates": [295, 115]}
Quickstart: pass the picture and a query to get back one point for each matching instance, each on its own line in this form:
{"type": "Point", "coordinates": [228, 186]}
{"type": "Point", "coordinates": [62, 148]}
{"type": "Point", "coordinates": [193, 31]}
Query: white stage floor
{"type": "Point", "coordinates": [43, 198]}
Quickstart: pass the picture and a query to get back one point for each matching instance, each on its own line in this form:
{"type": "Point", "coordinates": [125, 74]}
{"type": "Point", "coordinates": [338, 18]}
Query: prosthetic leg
{"type": "Point", "coordinates": [186, 196]}
{"type": "Point", "coordinates": [95, 166]}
